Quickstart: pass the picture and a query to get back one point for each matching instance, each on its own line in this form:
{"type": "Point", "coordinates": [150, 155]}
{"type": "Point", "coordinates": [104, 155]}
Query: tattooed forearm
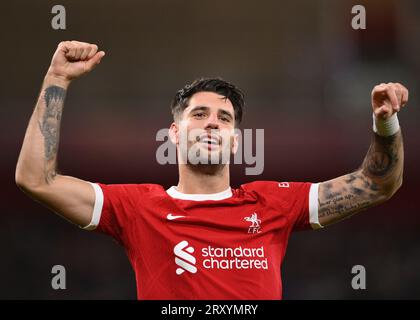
{"type": "Point", "coordinates": [346, 195]}
{"type": "Point", "coordinates": [50, 127]}
{"type": "Point", "coordinates": [345, 202]}
{"type": "Point", "coordinates": [379, 177]}
{"type": "Point", "coordinates": [383, 156]}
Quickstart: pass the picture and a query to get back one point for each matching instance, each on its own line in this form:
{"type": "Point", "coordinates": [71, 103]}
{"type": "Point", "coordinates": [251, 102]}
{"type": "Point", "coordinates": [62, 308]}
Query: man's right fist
{"type": "Point", "coordinates": [74, 58]}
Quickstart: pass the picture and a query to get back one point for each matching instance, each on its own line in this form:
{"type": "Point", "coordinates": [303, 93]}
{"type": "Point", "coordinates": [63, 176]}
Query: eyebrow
{"type": "Point", "coordinates": [205, 108]}
{"type": "Point", "coordinates": [199, 108]}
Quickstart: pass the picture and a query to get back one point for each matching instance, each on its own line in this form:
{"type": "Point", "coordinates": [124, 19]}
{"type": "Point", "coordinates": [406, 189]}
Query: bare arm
{"type": "Point", "coordinates": [381, 172]}
{"type": "Point", "coordinates": [36, 171]}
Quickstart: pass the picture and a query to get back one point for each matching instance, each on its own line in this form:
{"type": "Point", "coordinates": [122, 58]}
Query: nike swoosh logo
{"type": "Point", "coordinates": [172, 217]}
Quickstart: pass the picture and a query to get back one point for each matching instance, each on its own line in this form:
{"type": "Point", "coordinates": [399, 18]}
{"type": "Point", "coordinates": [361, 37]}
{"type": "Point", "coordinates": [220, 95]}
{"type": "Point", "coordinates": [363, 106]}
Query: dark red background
{"type": "Point", "coordinates": [307, 76]}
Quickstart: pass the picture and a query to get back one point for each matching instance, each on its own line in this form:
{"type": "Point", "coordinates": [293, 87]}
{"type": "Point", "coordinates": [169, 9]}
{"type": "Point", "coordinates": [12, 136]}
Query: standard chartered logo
{"type": "Point", "coordinates": [219, 258]}
{"type": "Point", "coordinates": [188, 261]}
{"type": "Point", "coordinates": [234, 258]}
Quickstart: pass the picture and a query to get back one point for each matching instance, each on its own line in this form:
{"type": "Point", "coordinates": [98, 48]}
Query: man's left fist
{"type": "Point", "coordinates": [388, 98]}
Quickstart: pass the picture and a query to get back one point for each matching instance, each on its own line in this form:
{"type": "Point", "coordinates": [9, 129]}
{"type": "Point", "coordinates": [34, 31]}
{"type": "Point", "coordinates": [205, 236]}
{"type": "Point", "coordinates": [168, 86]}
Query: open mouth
{"type": "Point", "coordinates": [210, 140]}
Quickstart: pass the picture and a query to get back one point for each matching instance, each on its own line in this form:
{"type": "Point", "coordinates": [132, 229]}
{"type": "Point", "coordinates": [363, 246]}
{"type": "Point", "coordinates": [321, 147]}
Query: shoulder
{"type": "Point", "coordinates": [274, 185]}
{"type": "Point", "coordinates": [131, 189]}
{"type": "Point", "coordinates": [276, 188]}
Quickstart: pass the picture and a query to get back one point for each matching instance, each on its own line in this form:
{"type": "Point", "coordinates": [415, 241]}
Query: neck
{"type": "Point", "coordinates": [203, 179]}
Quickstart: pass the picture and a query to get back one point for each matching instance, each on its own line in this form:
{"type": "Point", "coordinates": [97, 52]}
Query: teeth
{"type": "Point", "coordinates": [207, 140]}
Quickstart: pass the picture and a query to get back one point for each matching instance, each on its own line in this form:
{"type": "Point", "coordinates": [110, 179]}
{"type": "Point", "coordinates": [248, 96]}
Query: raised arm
{"type": "Point", "coordinates": [36, 171]}
{"type": "Point", "coordinates": [381, 172]}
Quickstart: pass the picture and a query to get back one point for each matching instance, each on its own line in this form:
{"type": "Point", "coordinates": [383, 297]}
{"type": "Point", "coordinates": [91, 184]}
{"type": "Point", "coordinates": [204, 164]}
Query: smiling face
{"type": "Point", "coordinates": [204, 132]}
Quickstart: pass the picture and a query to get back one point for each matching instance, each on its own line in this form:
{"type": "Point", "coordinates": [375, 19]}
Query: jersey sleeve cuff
{"type": "Point", "coordinates": [313, 206]}
{"type": "Point", "coordinates": [97, 209]}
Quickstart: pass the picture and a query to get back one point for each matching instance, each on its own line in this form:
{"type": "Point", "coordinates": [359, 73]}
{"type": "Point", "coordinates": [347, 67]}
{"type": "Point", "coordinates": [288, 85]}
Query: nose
{"type": "Point", "coordinates": [212, 122]}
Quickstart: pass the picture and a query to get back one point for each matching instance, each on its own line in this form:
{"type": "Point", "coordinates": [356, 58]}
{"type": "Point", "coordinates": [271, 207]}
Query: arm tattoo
{"type": "Point", "coordinates": [380, 172]}
{"type": "Point", "coordinates": [50, 127]}
{"type": "Point", "coordinates": [350, 195]}
{"type": "Point", "coordinates": [382, 156]}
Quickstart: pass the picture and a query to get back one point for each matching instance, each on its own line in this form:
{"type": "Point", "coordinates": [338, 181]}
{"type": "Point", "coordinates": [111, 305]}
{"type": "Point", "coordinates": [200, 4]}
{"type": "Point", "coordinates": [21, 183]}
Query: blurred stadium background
{"type": "Point", "coordinates": [307, 76]}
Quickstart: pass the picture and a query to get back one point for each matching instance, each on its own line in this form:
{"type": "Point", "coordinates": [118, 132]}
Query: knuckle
{"type": "Point", "coordinates": [64, 44]}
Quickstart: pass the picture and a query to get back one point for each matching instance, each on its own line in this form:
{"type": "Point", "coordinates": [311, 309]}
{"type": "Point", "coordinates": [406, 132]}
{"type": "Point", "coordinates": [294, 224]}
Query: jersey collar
{"type": "Point", "coordinates": [199, 197]}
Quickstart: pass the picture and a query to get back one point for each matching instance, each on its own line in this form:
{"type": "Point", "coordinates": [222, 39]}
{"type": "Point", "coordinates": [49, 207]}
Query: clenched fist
{"type": "Point", "coordinates": [73, 59]}
{"type": "Point", "coordinates": [388, 99]}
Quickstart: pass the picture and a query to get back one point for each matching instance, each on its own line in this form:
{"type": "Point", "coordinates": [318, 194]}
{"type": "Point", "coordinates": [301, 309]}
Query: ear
{"type": "Point", "coordinates": [235, 145]}
{"type": "Point", "coordinates": [174, 133]}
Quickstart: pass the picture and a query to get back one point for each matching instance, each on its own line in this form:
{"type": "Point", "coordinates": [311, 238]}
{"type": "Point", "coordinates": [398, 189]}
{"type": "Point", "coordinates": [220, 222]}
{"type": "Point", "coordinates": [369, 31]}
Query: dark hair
{"type": "Point", "coordinates": [217, 85]}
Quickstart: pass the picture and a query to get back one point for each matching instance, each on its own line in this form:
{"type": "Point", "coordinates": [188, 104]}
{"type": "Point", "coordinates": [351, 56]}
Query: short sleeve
{"type": "Point", "coordinates": [113, 209]}
{"type": "Point", "coordinates": [304, 210]}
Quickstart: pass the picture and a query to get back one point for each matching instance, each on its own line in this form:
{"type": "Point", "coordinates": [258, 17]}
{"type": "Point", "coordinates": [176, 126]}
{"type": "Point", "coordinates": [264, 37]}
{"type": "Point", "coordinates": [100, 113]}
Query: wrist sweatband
{"type": "Point", "coordinates": [386, 127]}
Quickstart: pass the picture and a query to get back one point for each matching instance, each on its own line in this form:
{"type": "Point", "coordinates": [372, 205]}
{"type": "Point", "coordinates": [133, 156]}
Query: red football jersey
{"type": "Point", "coordinates": [227, 245]}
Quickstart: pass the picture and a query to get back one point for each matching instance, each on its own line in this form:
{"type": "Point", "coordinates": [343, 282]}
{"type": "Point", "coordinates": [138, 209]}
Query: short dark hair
{"type": "Point", "coordinates": [217, 85]}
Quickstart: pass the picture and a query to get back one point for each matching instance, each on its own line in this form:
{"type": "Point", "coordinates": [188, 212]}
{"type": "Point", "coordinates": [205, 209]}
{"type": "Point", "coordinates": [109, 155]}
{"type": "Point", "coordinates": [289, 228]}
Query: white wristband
{"type": "Point", "coordinates": [386, 127]}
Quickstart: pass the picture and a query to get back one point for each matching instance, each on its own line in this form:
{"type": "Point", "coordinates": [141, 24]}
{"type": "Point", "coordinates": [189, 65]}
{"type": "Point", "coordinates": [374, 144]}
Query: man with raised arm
{"type": "Point", "coordinates": [202, 239]}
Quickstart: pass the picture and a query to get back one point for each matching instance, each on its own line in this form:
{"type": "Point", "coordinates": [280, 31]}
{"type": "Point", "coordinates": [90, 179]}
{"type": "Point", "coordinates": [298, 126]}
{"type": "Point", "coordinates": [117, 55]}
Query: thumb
{"type": "Point", "coordinates": [383, 112]}
{"type": "Point", "coordinates": [95, 60]}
